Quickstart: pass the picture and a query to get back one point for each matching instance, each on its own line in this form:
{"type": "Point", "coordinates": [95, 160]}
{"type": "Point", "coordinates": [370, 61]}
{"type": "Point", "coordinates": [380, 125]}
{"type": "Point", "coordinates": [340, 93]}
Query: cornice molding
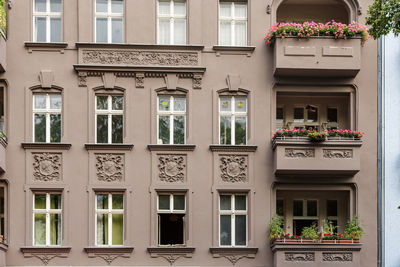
{"type": "Point", "coordinates": [171, 254]}
{"type": "Point", "coordinates": [232, 148]}
{"type": "Point", "coordinates": [57, 146]}
{"type": "Point", "coordinates": [46, 45]}
{"type": "Point", "coordinates": [108, 146]}
{"type": "Point", "coordinates": [315, 247]}
{"type": "Point", "coordinates": [109, 254]}
{"type": "Point", "coordinates": [140, 46]}
{"type": "Point", "coordinates": [234, 254]}
{"type": "Point", "coordinates": [156, 147]}
{"type": "Point", "coordinates": [45, 254]}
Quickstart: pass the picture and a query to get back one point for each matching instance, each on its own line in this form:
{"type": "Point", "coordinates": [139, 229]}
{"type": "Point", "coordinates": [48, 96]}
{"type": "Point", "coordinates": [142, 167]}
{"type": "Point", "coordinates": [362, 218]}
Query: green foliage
{"type": "Point", "coordinates": [3, 22]}
{"type": "Point", "coordinates": [329, 229]}
{"type": "Point", "coordinates": [276, 228]}
{"type": "Point", "coordinates": [317, 136]}
{"type": "Point", "coordinates": [354, 228]}
{"type": "Point", "coordinates": [384, 17]}
{"type": "Point", "coordinates": [311, 232]}
{"type": "Point", "coordinates": [3, 135]}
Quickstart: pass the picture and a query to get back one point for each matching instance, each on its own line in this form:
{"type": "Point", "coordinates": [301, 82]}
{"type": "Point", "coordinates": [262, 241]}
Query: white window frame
{"type": "Point", "coordinates": [109, 112]}
{"type": "Point", "coordinates": [109, 15]}
{"type": "Point", "coordinates": [46, 211]}
{"type": "Point", "coordinates": [171, 16]}
{"type": "Point", "coordinates": [110, 211]}
{"type": "Point", "coordinates": [171, 113]}
{"type": "Point", "coordinates": [233, 213]}
{"type": "Point", "coordinates": [232, 19]}
{"type": "Point", "coordinates": [47, 111]}
{"type": "Point", "coordinates": [171, 210]}
{"type": "Point", "coordinates": [48, 15]}
{"type": "Point", "coordinates": [305, 216]}
{"type": "Point", "coordinates": [232, 114]}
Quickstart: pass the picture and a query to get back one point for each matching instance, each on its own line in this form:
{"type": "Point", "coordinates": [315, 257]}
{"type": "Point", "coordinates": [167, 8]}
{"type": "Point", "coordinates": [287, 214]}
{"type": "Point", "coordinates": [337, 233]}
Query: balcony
{"type": "Point", "coordinates": [297, 156]}
{"type": "Point", "coordinates": [316, 254]}
{"type": "Point", "coordinates": [3, 145]}
{"type": "Point", "coordinates": [3, 52]}
{"type": "Point", "coordinates": [317, 56]}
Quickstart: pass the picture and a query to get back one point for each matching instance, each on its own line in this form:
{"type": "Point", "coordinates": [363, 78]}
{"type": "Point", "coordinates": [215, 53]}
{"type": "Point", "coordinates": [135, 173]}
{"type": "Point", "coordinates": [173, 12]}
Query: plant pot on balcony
{"type": "Point", "coordinates": [349, 241]}
{"type": "Point", "coordinates": [329, 241]}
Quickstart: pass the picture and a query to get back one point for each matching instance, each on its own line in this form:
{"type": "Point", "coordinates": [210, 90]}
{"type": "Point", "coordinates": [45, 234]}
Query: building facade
{"type": "Point", "coordinates": [139, 133]}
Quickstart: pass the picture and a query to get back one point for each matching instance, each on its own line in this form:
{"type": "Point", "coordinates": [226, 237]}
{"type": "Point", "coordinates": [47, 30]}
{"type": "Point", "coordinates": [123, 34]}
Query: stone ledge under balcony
{"type": "Point", "coordinates": [331, 158]}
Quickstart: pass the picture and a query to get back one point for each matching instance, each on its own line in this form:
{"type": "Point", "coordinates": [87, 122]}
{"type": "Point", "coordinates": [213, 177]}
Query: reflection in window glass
{"type": "Point", "coordinates": [109, 119]}
{"type": "Point", "coordinates": [233, 120]}
{"type": "Point", "coordinates": [109, 27]}
{"type": "Point", "coordinates": [171, 22]}
{"type": "Point", "coordinates": [233, 220]}
{"type": "Point", "coordinates": [47, 118]}
{"type": "Point", "coordinates": [233, 23]}
{"type": "Point", "coordinates": [171, 119]}
{"type": "Point", "coordinates": [47, 21]}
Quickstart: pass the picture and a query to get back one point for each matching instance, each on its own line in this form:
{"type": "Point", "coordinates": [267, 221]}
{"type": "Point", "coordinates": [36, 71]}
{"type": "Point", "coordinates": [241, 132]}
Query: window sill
{"type": "Point", "coordinates": [45, 254]}
{"type": "Point", "coordinates": [59, 146]}
{"type": "Point", "coordinates": [41, 46]}
{"type": "Point", "coordinates": [108, 146]}
{"type": "Point", "coordinates": [109, 254]}
{"type": "Point", "coordinates": [171, 254]}
{"type": "Point", "coordinates": [3, 247]}
{"type": "Point", "coordinates": [232, 148]}
{"type": "Point", "coordinates": [140, 46]}
{"type": "Point", "coordinates": [154, 147]}
{"type": "Point", "coordinates": [234, 254]}
{"type": "Point", "coordinates": [233, 50]}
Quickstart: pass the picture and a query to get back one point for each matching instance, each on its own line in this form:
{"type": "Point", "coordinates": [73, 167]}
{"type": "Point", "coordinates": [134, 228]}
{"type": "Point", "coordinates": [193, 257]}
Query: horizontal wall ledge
{"type": "Point", "coordinates": [232, 148]}
{"type": "Point", "coordinates": [48, 45]}
{"type": "Point", "coordinates": [139, 68]}
{"type": "Point", "coordinates": [45, 249]}
{"type": "Point", "coordinates": [156, 147]}
{"type": "Point", "coordinates": [315, 247]}
{"type": "Point", "coordinates": [109, 146]}
{"type": "Point", "coordinates": [171, 249]}
{"type": "Point", "coordinates": [139, 46]}
{"type": "Point", "coordinates": [59, 146]}
{"type": "Point", "coordinates": [234, 48]}
{"type": "Point", "coordinates": [117, 249]}
{"type": "Point", "coordinates": [221, 250]}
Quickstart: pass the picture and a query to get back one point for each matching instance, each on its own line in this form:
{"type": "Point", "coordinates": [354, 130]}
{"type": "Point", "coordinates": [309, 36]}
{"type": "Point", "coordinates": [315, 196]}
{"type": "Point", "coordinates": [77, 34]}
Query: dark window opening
{"type": "Point", "coordinates": [332, 208]}
{"type": "Point", "coordinates": [280, 207]}
{"type": "Point", "coordinates": [171, 229]}
{"type": "Point", "coordinates": [298, 225]}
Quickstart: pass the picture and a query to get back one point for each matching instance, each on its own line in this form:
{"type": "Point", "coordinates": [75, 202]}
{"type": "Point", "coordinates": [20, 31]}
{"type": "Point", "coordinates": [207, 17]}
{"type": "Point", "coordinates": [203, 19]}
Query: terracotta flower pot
{"type": "Point", "coordinates": [330, 241]}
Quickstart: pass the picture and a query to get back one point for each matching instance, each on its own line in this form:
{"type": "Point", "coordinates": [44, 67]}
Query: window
{"type": "Point", "coordinates": [47, 118]}
{"type": "Point", "coordinates": [233, 23]}
{"type": "Point", "coordinates": [280, 118]}
{"type": "Point", "coordinates": [305, 213]}
{"type": "Point", "coordinates": [109, 219]}
{"type": "Point", "coordinates": [109, 119]}
{"type": "Point", "coordinates": [2, 210]}
{"type": "Point", "coordinates": [233, 120]}
{"type": "Point", "coordinates": [171, 21]}
{"type": "Point", "coordinates": [171, 209]}
{"type": "Point", "coordinates": [47, 20]}
{"type": "Point", "coordinates": [47, 219]}
{"type": "Point", "coordinates": [332, 213]}
{"type": "Point", "coordinates": [332, 118]}
{"type": "Point", "coordinates": [109, 25]}
{"type": "Point", "coordinates": [2, 109]}
{"type": "Point", "coordinates": [171, 119]}
{"type": "Point", "coordinates": [233, 220]}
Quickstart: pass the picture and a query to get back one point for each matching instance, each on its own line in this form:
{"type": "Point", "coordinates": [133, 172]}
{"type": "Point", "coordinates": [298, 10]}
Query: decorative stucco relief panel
{"type": "Point", "coordinates": [299, 256]}
{"type": "Point", "coordinates": [330, 256]}
{"type": "Point", "coordinates": [172, 168]}
{"type": "Point", "coordinates": [299, 153]}
{"type": "Point", "coordinates": [338, 153]}
{"type": "Point", "coordinates": [109, 167]}
{"type": "Point", "coordinates": [47, 166]}
{"type": "Point", "coordinates": [233, 168]}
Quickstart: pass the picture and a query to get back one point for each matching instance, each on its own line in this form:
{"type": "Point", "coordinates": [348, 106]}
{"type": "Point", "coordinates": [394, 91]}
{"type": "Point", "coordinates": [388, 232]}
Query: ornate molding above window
{"type": "Point", "coordinates": [109, 254]}
{"type": "Point", "coordinates": [234, 254]}
{"type": "Point", "coordinates": [58, 146]}
{"type": "Point", "coordinates": [45, 254]}
{"type": "Point", "coordinates": [171, 254]}
{"type": "Point", "coordinates": [51, 47]}
{"type": "Point", "coordinates": [233, 50]}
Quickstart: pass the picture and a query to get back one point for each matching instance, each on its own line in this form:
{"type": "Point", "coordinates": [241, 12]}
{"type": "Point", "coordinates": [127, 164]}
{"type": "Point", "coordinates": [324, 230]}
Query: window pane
{"type": "Point", "coordinates": [179, 104]}
{"type": "Point", "coordinates": [240, 130]}
{"type": "Point", "coordinates": [40, 201]}
{"type": "Point", "coordinates": [225, 130]}
{"type": "Point", "coordinates": [179, 202]}
{"type": "Point", "coordinates": [102, 229]}
{"type": "Point", "coordinates": [225, 202]}
{"type": "Point", "coordinates": [225, 230]}
{"type": "Point", "coordinates": [102, 129]}
{"type": "Point", "coordinates": [171, 229]}
{"type": "Point", "coordinates": [279, 114]}
{"type": "Point", "coordinates": [40, 27]}
{"type": "Point", "coordinates": [55, 128]}
{"type": "Point", "coordinates": [179, 129]}
{"type": "Point", "coordinates": [40, 128]}
{"type": "Point", "coordinates": [117, 102]}
{"type": "Point", "coordinates": [55, 201]}
{"type": "Point", "coordinates": [240, 33]}
{"type": "Point", "coordinates": [101, 30]}
{"type": "Point", "coordinates": [102, 201]}
{"type": "Point", "coordinates": [101, 5]}
{"type": "Point", "coordinates": [312, 208]}
{"type": "Point", "coordinates": [40, 229]}
{"type": "Point", "coordinates": [117, 201]}
{"type": "Point", "coordinates": [55, 229]}
{"type": "Point", "coordinates": [240, 10]}
{"type": "Point", "coordinates": [163, 7]}
{"type": "Point", "coordinates": [40, 101]}
{"type": "Point", "coordinates": [117, 6]}
{"type": "Point", "coordinates": [179, 31]}
{"type": "Point", "coordinates": [225, 9]}
{"type": "Point", "coordinates": [117, 128]}
{"type": "Point", "coordinates": [240, 203]}
{"type": "Point", "coordinates": [332, 114]}
{"type": "Point", "coordinates": [102, 102]}
{"type": "Point", "coordinates": [298, 115]}
{"type": "Point", "coordinates": [298, 208]}
{"type": "Point", "coordinates": [40, 5]}
{"type": "Point", "coordinates": [240, 105]}
{"type": "Point", "coordinates": [163, 129]}
{"type": "Point", "coordinates": [163, 202]}
{"type": "Point", "coordinates": [163, 31]}
{"type": "Point", "coordinates": [55, 5]}
{"type": "Point", "coordinates": [55, 29]}
{"type": "Point", "coordinates": [117, 229]}
{"type": "Point", "coordinates": [225, 33]}
{"type": "Point", "coordinates": [117, 30]}
{"type": "Point", "coordinates": [163, 103]}
{"type": "Point", "coordinates": [312, 114]}
{"type": "Point", "coordinates": [279, 207]}
{"type": "Point", "coordinates": [331, 208]}
{"type": "Point", "coordinates": [240, 230]}
{"type": "Point", "coordinates": [55, 101]}
{"type": "Point", "coordinates": [180, 8]}
{"type": "Point", "coordinates": [225, 104]}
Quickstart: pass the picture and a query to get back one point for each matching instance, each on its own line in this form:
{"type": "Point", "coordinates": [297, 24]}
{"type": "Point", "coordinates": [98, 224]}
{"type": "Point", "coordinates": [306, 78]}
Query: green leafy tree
{"type": "Point", "coordinates": [384, 17]}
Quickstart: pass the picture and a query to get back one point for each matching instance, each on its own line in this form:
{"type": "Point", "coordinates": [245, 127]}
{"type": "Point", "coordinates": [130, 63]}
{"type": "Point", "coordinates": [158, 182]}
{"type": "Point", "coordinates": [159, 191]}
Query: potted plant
{"type": "Point", "coordinates": [353, 231]}
{"type": "Point", "coordinates": [317, 136]}
{"type": "Point", "coordinates": [276, 228]}
{"type": "Point", "coordinates": [1, 238]}
{"type": "Point", "coordinates": [310, 234]}
{"type": "Point", "coordinates": [328, 232]}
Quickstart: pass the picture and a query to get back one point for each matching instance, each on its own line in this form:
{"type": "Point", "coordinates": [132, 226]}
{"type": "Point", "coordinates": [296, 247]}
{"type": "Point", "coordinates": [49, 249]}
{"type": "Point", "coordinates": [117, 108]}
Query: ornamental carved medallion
{"type": "Point", "coordinates": [306, 256]}
{"type": "Point", "coordinates": [233, 168]}
{"type": "Point", "coordinates": [47, 167]}
{"type": "Point", "coordinates": [109, 167]}
{"type": "Point", "coordinates": [331, 256]}
{"type": "Point", "coordinates": [171, 168]}
{"type": "Point", "coordinates": [338, 153]}
{"type": "Point", "coordinates": [299, 153]}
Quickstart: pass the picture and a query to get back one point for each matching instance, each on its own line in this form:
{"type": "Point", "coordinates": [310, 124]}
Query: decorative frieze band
{"type": "Point", "coordinates": [329, 256]}
{"type": "Point", "coordinates": [338, 153]}
{"type": "Point", "coordinates": [233, 168]}
{"type": "Point", "coordinates": [47, 166]}
{"type": "Point", "coordinates": [293, 256]}
{"type": "Point", "coordinates": [110, 167]}
{"type": "Point", "coordinates": [171, 168]}
{"type": "Point", "coordinates": [299, 153]}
